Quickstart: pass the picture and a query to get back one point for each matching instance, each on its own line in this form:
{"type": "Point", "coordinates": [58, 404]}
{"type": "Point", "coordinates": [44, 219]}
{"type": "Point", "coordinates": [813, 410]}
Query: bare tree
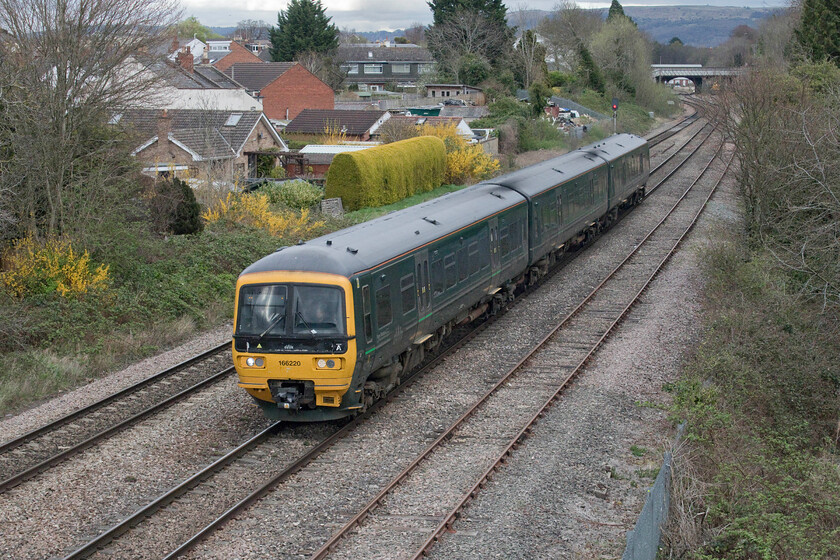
{"type": "Point", "coordinates": [565, 30]}
{"type": "Point", "coordinates": [251, 30]}
{"type": "Point", "coordinates": [528, 53]}
{"type": "Point", "coordinates": [465, 34]}
{"type": "Point", "coordinates": [787, 138]}
{"type": "Point", "coordinates": [394, 130]}
{"type": "Point", "coordinates": [623, 53]}
{"type": "Point", "coordinates": [323, 65]}
{"type": "Point", "coordinates": [416, 34]}
{"type": "Point", "coordinates": [73, 64]}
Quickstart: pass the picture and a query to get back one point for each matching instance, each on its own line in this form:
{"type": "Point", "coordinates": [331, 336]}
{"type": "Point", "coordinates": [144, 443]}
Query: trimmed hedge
{"type": "Point", "coordinates": [386, 174]}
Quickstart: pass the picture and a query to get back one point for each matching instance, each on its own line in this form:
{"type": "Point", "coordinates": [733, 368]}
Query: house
{"type": "Point", "coordinates": [461, 127]}
{"type": "Point", "coordinates": [353, 125]}
{"type": "Point", "coordinates": [185, 85]}
{"type": "Point", "coordinates": [216, 49]}
{"type": "Point", "coordinates": [285, 88]}
{"type": "Point", "coordinates": [461, 91]}
{"type": "Point", "coordinates": [371, 66]}
{"type": "Point", "coordinates": [196, 47]}
{"type": "Point", "coordinates": [236, 53]}
{"type": "Point", "coordinates": [215, 145]}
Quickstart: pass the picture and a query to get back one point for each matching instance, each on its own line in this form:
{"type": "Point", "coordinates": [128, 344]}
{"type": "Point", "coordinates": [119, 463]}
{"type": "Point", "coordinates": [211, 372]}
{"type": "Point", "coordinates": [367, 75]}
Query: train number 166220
{"type": "Point", "coordinates": [290, 363]}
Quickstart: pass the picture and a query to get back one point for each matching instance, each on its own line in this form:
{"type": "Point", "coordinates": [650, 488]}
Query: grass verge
{"type": "Point", "coordinates": [758, 475]}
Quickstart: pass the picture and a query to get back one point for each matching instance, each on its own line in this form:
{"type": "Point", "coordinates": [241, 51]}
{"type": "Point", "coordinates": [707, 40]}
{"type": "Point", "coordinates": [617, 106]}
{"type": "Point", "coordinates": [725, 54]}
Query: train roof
{"type": "Point", "coordinates": [369, 244]}
{"type": "Point", "coordinates": [534, 179]}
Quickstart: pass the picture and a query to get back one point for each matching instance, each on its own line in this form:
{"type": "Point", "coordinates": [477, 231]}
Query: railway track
{"type": "Point", "coordinates": [679, 126]}
{"type": "Point", "coordinates": [38, 450]}
{"type": "Point", "coordinates": [565, 350]}
{"type": "Point", "coordinates": [229, 471]}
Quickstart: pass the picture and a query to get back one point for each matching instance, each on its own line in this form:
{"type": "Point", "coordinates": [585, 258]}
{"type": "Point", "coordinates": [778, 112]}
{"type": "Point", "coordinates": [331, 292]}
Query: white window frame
{"type": "Point", "coordinates": [352, 69]}
{"type": "Point", "coordinates": [401, 68]}
{"type": "Point", "coordinates": [373, 69]}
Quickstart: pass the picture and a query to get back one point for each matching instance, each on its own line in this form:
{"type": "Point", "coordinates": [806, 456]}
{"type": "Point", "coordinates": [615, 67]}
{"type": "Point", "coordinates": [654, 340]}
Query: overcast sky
{"type": "Point", "coordinates": [374, 15]}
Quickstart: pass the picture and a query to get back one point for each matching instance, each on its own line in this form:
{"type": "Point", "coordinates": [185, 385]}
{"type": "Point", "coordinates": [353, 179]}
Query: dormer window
{"type": "Point", "coordinates": [370, 54]}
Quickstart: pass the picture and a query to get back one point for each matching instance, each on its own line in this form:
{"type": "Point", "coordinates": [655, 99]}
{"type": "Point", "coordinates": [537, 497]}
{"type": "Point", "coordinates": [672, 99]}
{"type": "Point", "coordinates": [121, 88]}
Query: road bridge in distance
{"type": "Point", "coordinates": [697, 73]}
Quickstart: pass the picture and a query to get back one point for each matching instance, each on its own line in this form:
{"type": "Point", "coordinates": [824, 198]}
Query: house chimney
{"type": "Point", "coordinates": [185, 59]}
{"type": "Point", "coordinates": [175, 45]}
{"type": "Point", "coordinates": [164, 127]}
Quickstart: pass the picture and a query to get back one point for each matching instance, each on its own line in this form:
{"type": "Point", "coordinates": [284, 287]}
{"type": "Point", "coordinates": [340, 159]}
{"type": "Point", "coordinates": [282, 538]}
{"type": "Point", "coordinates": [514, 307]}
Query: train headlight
{"type": "Point", "coordinates": [259, 362]}
{"type": "Point", "coordinates": [250, 362]}
{"type": "Point", "coordinates": [330, 364]}
{"type": "Point", "coordinates": [322, 363]}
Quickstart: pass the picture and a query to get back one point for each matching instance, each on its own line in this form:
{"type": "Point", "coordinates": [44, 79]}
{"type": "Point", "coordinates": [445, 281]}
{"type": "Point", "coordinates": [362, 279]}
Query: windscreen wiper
{"type": "Point", "coordinates": [305, 324]}
{"type": "Point", "coordinates": [271, 325]}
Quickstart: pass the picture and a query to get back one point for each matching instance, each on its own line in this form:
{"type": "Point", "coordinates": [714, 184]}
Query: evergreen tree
{"type": "Point", "coordinates": [617, 11]}
{"type": "Point", "coordinates": [302, 27]}
{"type": "Point", "coordinates": [819, 30]}
{"type": "Point", "coordinates": [494, 10]}
{"type": "Point", "coordinates": [589, 71]}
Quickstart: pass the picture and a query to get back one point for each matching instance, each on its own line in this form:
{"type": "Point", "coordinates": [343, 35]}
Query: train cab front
{"type": "Point", "coordinates": [294, 344]}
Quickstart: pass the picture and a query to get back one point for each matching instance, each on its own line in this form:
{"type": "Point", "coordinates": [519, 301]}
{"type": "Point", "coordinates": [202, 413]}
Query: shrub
{"type": "Point", "coordinates": [464, 162]}
{"type": "Point", "coordinates": [35, 268]}
{"type": "Point", "coordinates": [252, 209]}
{"type": "Point", "coordinates": [173, 208]}
{"type": "Point", "coordinates": [386, 174]}
{"type": "Point", "coordinates": [297, 194]}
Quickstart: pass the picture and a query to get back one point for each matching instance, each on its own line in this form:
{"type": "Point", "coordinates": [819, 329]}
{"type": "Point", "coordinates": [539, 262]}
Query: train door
{"type": "Point", "coordinates": [365, 340]}
{"type": "Point", "coordinates": [383, 307]}
{"type": "Point", "coordinates": [424, 287]}
{"type": "Point", "coordinates": [494, 246]}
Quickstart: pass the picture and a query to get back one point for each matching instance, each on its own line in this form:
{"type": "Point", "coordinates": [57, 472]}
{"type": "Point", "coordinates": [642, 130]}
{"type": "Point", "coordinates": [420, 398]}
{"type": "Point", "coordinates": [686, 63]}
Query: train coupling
{"type": "Point", "coordinates": [292, 395]}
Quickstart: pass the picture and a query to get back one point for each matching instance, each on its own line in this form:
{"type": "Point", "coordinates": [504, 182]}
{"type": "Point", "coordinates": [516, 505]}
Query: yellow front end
{"type": "Point", "coordinates": [271, 366]}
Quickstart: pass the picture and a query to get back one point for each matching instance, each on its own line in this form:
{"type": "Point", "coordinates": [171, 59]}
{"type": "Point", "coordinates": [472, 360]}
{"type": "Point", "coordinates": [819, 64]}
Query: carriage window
{"type": "Point", "coordinates": [383, 306]}
{"type": "Point", "coordinates": [504, 241]}
{"type": "Point", "coordinates": [451, 272]}
{"type": "Point", "coordinates": [437, 277]}
{"type": "Point", "coordinates": [409, 298]}
{"type": "Point", "coordinates": [475, 262]}
{"type": "Point", "coordinates": [366, 308]}
{"type": "Point", "coordinates": [463, 264]}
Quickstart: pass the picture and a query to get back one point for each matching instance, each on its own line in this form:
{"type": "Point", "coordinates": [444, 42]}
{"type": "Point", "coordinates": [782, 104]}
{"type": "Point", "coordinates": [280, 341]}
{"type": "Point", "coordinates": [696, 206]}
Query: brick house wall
{"type": "Point", "coordinates": [295, 90]}
{"type": "Point", "coordinates": [237, 53]}
{"type": "Point", "coordinates": [259, 140]}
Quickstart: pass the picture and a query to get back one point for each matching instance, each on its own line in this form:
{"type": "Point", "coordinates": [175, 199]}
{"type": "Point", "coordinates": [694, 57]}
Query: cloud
{"type": "Point", "coordinates": [374, 15]}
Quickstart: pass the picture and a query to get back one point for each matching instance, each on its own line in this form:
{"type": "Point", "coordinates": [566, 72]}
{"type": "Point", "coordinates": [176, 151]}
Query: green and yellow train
{"type": "Point", "coordinates": [325, 328]}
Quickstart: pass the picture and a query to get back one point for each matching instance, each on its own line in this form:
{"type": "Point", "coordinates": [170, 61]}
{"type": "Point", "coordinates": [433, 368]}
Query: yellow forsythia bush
{"type": "Point", "coordinates": [253, 209]}
{"type": "Point", "coordinates": [465, 162]}
{"type": "Point", "coordinates": [34, 267]}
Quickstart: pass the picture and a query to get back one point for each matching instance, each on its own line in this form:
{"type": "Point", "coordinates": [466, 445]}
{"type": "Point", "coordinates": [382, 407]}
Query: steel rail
{"type": "Point", "coordinates": [54, 425]}
{"type": "Point", "coordinates": [166, 498]}
{"type": "Point", "coordinates": [344, 431]}
{"type": "Point", "coordinates": [453, 514]}
{"type": "Point", "coordinates": [372, 504]}
{"type": "Point", "coordinates": [98, 437]}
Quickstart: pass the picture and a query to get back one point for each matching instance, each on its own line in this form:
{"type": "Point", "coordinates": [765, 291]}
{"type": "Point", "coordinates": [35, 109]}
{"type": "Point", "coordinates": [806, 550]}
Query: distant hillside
{"type": "Point", "coordinates": [700, 26]}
